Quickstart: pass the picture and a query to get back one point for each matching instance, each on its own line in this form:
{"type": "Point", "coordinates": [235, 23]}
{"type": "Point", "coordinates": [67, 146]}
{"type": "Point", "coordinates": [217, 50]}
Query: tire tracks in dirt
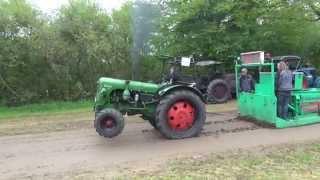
{"type": "Point", "coordinates": [65, 153]}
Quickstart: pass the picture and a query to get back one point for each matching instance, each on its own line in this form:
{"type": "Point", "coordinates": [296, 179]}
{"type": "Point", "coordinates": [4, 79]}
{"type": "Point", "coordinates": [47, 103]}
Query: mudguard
{"type": "Point", "coordinates": [170, 88]}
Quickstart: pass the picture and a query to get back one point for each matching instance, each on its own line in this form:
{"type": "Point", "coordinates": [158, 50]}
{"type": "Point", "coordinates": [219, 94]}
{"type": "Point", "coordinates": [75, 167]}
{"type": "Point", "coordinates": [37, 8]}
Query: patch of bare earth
{"type": "Point", "coordinates": [66, 146]}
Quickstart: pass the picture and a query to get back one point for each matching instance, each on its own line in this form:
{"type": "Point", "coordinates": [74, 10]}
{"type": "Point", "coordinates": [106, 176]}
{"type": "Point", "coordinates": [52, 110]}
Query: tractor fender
{"type": "Point", "coordinates": [166, 90]}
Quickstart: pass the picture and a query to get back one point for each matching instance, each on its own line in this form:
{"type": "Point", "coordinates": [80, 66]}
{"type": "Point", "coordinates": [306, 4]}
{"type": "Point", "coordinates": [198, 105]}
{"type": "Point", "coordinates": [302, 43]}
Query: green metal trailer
{"type": "Point", "coordinates": [261, 104]}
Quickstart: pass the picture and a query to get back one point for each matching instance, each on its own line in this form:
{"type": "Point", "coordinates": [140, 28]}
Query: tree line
{"type": "Point", "coordinates": [60, 56]}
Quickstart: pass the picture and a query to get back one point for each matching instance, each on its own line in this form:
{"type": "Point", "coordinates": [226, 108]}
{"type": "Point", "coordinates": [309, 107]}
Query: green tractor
{"type": "Point", "coordinates": [176, 109]}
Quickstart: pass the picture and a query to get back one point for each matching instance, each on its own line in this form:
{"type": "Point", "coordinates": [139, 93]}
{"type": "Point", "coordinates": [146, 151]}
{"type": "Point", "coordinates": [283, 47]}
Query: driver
{"type": "Point", "coordinates": [174, 74]}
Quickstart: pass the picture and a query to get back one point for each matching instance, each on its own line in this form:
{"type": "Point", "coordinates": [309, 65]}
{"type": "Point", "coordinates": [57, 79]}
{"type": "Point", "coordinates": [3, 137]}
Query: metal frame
{"type": "Point", "coordinates": [261, 105]}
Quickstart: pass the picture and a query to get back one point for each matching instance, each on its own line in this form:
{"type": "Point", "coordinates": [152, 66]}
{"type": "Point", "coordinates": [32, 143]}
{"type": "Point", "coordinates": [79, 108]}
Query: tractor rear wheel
{"type": "Point", "coordinates": [109, 123]}
{"type": "Point", "coordinates": [180, 114]}
{"type": "Point", "coordinates": [218, 91]}
{"type": "Point", "coordinates": [153, 123]}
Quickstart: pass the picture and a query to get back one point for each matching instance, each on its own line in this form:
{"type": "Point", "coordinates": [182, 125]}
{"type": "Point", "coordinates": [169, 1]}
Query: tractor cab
{"type": "Point", "coordinates": [181, 70]}
{"type": "Point", "coordinates": [206, 71]}
{"type": "Point", "coordinates": [188, 69]}
{"type": "Point", "coordinates": [261, 104]}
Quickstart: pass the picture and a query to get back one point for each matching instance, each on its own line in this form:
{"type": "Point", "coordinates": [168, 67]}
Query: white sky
{"type": "Point", "coordinates": [48, 6]}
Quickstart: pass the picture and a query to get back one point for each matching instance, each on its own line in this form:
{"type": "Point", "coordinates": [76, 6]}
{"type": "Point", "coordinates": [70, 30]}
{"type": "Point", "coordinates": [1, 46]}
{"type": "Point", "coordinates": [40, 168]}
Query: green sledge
{"type": "Point", "coordinates": [261, 104]}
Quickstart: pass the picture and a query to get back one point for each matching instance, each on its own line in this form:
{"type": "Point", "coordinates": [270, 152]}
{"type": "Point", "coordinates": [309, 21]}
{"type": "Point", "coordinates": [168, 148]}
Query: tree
{"type": "Point", "coordinates": [18, 26]}
{"type": "Point", "coordinates": [45, 58]}
{"type": "Point", "coordinates": [122, 40]}
{"type": "Point", "coordinates": [222, 28]}
{"type": "Point", "coordinates": [61, 57]}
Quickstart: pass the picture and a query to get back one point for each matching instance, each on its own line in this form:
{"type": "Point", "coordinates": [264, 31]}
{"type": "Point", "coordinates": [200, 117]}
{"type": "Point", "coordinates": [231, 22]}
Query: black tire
{"type": "Point", "coordinates": [115, 120]}
{"type": "Point", "coordinates": [162, 119]}
{"type": "Point", "coordinates": [153, 123]}
{"type": "Point", "coordinates": [218, 91]}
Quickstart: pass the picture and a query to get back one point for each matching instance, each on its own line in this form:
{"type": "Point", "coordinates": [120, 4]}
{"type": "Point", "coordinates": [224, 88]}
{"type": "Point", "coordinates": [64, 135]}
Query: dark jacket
{"type": "Point", "coordinates": [246, 83]}
{"type": "Point", "coordinates": [285, 81]}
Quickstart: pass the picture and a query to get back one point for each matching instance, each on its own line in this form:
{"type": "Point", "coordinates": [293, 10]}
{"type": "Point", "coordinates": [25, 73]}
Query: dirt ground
{"type": "Point", "coordinates": [67, 147]}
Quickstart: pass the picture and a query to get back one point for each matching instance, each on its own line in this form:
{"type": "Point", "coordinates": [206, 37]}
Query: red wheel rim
{"type": "Point", "coordinates": [181, 116]}
{"type": "Point", "coordinates": [108, 123]}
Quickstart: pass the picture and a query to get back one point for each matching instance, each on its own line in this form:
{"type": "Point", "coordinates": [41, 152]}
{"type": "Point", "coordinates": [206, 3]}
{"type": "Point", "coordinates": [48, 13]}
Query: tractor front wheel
{"type": "Point", "coordinates": [180, 114]}
{"type": "Point", "coordinates": [109, 123]}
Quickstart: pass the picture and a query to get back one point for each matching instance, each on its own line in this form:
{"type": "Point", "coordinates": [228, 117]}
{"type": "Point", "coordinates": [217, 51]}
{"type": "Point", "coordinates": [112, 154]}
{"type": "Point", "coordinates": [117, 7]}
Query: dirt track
{"type": "Point", "coordinates": [71, 147]}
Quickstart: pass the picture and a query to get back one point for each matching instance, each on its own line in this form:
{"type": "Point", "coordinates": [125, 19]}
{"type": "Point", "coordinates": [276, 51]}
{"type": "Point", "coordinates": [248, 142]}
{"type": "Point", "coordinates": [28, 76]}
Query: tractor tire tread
{"type": "Point", "coordinates": [118, 117]}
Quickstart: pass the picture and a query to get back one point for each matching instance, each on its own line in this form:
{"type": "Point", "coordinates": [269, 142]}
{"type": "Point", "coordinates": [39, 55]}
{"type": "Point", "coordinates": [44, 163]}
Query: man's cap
{"type": "Point", "coordinates": [244, 70]}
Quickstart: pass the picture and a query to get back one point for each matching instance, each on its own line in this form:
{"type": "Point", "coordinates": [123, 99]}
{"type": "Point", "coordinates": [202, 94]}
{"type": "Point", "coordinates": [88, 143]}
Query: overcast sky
{"type": "Point", "coordinates": [50, 5]}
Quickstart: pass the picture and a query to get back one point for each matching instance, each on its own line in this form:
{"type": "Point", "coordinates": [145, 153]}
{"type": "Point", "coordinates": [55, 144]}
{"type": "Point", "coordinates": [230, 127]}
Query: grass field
{"type": "Point", "coordinates": [53, 108]}
{"type": "Point", "coordinates": [283, 163]}
{"type": "Point", "coordinates": [44, 109]}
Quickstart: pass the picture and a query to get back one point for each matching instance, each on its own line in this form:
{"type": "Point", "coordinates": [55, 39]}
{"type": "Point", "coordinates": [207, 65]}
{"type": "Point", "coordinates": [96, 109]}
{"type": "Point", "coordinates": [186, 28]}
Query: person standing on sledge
{"type": "Point", "coordinates": [284, 87]}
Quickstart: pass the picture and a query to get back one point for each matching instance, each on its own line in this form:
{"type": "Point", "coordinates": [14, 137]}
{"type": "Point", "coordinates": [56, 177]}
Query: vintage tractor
{"type": "Point", "coordinates": [261, 104]}
{"type": "Point", "coordinates": [208, 75]}
{"type": "Point", "coordinates": [176, 109]}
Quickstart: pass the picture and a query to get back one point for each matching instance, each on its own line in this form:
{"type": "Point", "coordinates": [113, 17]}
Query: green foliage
{"type": "Point", "coordinates": [218, 29]}
{"type": "Point", "coordinates": [60, 57]}
{"type": "Point", "coordinates": [18, 26]}
{"type": "Point", "coordinates": [152, 68]}
{"type": "Point", "coordinates": [86, 31]}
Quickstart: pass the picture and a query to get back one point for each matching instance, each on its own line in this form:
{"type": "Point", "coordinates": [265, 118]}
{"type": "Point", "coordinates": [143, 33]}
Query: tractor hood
{"type": "Point", "coordinates": [118, 84]}
{"type": "Point", "coordinates": [108, 85]}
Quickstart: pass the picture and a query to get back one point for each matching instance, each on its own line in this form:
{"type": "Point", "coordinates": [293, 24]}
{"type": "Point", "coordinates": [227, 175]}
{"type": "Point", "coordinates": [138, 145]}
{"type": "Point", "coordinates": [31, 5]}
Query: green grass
{"type": "Point", "coordinates": [44, 109]}
{"type": "Point", "coordinates": [283, 163]}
